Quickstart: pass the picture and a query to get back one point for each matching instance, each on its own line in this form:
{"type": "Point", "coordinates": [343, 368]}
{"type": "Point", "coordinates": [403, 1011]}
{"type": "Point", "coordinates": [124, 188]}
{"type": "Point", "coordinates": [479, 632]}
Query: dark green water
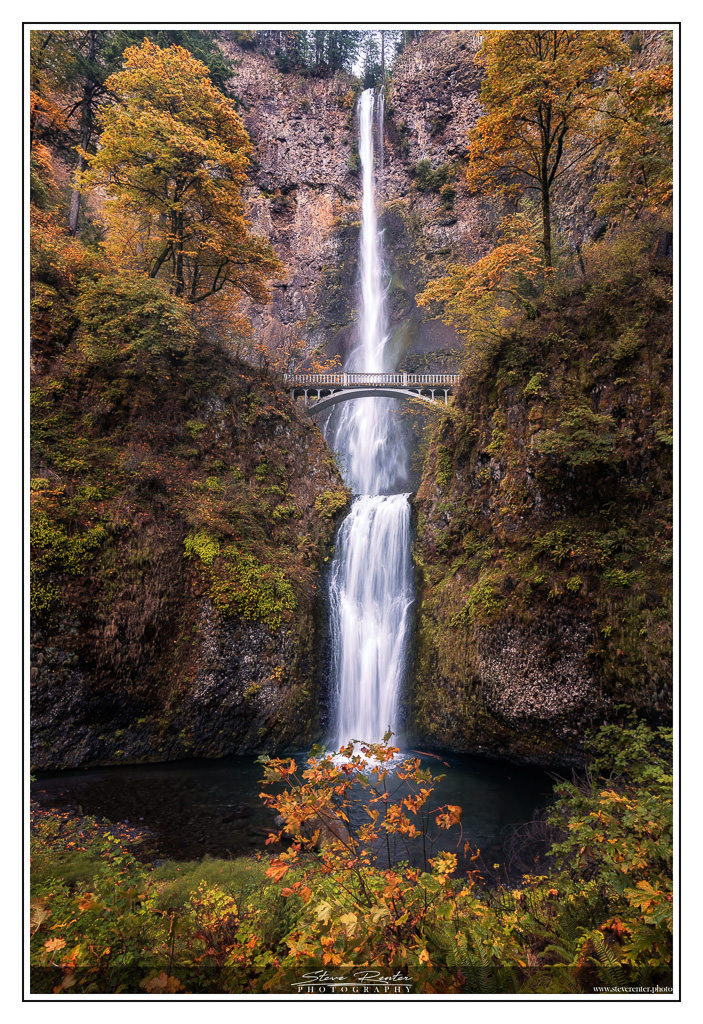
{"type": "Point", "coordinates": [199, 807]}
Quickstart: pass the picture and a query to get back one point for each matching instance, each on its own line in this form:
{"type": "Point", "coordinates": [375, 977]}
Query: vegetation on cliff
{"type": "Point", "coordinates": [544, 531]}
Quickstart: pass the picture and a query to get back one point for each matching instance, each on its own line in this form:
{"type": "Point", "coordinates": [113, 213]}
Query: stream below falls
{"type": "Point", "coordinates": [192, 809]}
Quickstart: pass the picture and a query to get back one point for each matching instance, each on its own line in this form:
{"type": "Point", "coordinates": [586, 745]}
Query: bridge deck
{"type": "Point", "coordinates": [354, 380]}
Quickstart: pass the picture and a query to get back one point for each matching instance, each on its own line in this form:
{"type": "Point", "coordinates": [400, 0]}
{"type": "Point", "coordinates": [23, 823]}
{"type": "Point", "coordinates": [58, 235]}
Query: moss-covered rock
{"type": "Point", "coordinates": [544, 539]}
{"type": "Point", "coordinates": [179, 516]}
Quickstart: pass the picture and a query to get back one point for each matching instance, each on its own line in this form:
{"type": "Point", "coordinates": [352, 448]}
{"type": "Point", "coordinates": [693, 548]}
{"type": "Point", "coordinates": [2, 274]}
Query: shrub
{"type": "Point", "coordinates": [132, 319]}
{"type": "Point", "coordinates": [336, 895]}
{"type": "Point", "coordinates": [428, 179]}
{"type": "Point", "coordinates": [584, 438]}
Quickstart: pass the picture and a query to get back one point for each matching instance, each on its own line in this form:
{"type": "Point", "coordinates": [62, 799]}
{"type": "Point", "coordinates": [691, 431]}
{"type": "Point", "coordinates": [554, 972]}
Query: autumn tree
{"type": "Point", "coordinates": [173, 160]}
{"type": "Point", "coordinates": [540, 93]}
{"type": "Point", "coordinates": [70, 68]}
{"type": "Point", "coordinates": [638, 143]}
{"type": "Point", "coordinates": [478, 300]}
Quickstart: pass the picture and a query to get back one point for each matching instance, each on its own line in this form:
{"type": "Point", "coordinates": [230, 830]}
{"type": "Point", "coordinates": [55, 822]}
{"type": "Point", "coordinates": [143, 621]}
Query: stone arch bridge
{"type": "Point", "coordinates": [323, 390]}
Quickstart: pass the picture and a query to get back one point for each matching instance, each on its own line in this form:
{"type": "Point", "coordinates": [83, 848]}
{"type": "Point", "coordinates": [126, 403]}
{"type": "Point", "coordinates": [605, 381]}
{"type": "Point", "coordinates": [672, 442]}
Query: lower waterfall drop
{"type": "Point", "coordinates": [371, 591]}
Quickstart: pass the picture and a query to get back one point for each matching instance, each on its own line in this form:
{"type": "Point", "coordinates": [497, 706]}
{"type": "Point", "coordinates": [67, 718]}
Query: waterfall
{"type": "Point", "coordinates": [371, 587]}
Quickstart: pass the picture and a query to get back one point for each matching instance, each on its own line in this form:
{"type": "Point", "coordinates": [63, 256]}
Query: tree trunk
{"type": "Point", "coordinates": [546, 226]}
{"type": "Point", "coordinates": [86, 133]}
{"type": "Point", "coordinates": [178, 281]}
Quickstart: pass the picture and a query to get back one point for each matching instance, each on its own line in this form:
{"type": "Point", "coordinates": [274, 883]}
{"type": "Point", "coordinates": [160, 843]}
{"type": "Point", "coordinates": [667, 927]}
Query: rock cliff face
{"type": "Point", "coordinates": [305, 193]}
{"type": "Point", "coordinates": [432, 105]}
{"type": "Point", "coordinates": [430, 220]}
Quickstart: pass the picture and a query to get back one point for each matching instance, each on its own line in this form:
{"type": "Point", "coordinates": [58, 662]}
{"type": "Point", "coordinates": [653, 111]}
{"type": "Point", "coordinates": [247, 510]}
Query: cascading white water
{"type": "Point", "coordinates": [371, 579]}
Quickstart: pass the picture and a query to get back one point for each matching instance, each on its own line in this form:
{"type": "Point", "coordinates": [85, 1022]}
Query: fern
{"type": "Point", "coordinates": [476, 965]}
{"type": "Point", "coordinates": [566, 954]}
{"type": "Point", "coordinates": [605, 958]}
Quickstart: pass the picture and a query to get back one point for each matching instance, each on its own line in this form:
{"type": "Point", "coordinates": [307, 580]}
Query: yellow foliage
{"type": "Point", "coordinates": [172, 161]}
{"type": "Point", "coordinates": [538, 92]}
{"type": "Point", "coordinates": [637, 129]}
{"type": "Point", "coordinates": [478, 299]}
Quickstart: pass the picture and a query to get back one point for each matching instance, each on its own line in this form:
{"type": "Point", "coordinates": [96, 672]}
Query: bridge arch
{"type": "Point", "coordinates": [328, 398]}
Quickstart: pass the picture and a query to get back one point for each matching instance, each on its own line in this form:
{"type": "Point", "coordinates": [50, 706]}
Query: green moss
{"type": "Point", "coordinates": [43, 594]}
{"type": "Point", "coordinates": [57, 549]}
{"type": "Point", "coordinates": [444, 466]}
{"type": "Point", "coordinates": [627, 344]}
{"type": "Point", "coordinates": [484, 600]}
{"type": "Point", "coordinates": [329, 503]}
{"type": "Point", "coordinates": [247, 588]}
{"type": "Point", "coordinates": [498, 433]}
{"type": "Point", "coordinates": [203, 545]}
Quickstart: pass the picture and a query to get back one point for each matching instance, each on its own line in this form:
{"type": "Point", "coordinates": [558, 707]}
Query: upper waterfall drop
{"type": "Point", "coordinates": [367, 433]}
{"type": "Point", "coordinates": [371, 583]}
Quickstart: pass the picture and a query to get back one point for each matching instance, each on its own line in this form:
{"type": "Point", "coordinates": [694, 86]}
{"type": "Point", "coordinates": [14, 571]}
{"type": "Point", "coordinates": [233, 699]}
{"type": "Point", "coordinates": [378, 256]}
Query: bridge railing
{"type": "Point", "coordinates": [371, 379]}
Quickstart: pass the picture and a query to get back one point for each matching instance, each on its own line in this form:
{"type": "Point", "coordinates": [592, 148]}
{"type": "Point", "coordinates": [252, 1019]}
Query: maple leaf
{"type": "Point", "coordinates": [450, 816]}
{"type": "Point", "coordinates": [350, 923]}
{"type": "Point", "coordinates": [277, 869]}
{"type": "Point", "coordinates": [323, 911]}
{"type": "Point", "coordinates": [51, 945]}
{"type": "Point", "coordinates": [379, 913]}
{"type": "Point", "coordinates": [162, 982]}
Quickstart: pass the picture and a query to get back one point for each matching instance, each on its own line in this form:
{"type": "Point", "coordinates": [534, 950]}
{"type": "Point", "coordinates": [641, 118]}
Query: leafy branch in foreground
{"type": "Point", "coordinates": [343, 817]}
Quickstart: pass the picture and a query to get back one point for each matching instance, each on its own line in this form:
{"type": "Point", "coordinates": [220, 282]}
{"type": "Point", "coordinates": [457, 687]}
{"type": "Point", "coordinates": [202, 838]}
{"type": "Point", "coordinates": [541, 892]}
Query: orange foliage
{"type": "Point", "coordinates": [173, 159]}
{"type": "Point", "coordinates": [539, 90]}
{"type": "Point", "coordinates": [478, 298]}
{"type": "Point", "coordinates": [44, 114]}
